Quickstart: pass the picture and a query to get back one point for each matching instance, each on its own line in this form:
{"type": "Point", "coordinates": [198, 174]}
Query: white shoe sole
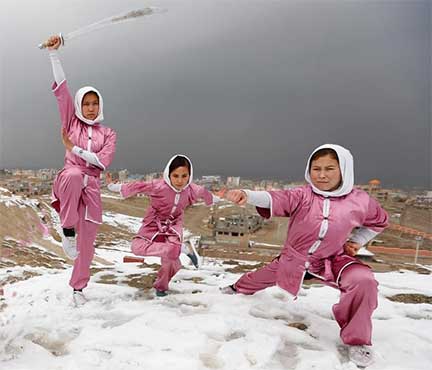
{"type": "Point", "coordinates": [70, 252]}
{"type": "Point", "coordinates": [194, 251]}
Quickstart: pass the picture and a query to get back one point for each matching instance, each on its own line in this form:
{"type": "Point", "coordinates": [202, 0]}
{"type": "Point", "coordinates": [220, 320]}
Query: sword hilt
{"type": "Point", "coordinates": [46, 44]}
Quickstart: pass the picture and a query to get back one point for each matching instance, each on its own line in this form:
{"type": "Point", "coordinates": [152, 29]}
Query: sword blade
{"type": "Point", "coordinates": [120, 18]}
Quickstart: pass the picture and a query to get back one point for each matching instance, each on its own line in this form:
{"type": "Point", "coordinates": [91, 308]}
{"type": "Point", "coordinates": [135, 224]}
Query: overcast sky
{"type": "Point", "coordinates": [244, 87]}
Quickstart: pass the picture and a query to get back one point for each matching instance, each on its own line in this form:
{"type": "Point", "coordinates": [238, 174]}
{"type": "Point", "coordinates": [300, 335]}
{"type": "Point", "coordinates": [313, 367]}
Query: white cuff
{"type": "Point", "coordinates": [216, 199]}
{"type": "Point", "coordinates": [363, 235]}
{"type": "Point", "coordinates": [59, 75]}
{"type": "Point", "coordinates": [89, 157]}
{"type": "Point", "coordinates": [116, 188]}
{"type": "Point", "coordinates": [260, 199]}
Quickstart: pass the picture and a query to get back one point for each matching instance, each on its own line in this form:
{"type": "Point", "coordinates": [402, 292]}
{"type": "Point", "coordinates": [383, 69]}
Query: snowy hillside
{"type": "Point", "coordinates": [123, 325]}
{"type": "Point", "coordinates": [196, 327]}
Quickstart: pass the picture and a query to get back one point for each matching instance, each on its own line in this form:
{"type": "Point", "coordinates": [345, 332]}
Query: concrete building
{"type": "Point", "coordinates": [236, 226]}
{"type": "Point", "coordinates": [123, 175]}
{"type": "Point", "coordinates": [46, 174]}
{"type": "Point", "coordinates": [233, 181]}
{"type": "Point", "coordinates": [209, 182]}
{"type": "Point", "coordinates": [424, 201]}
{"type": "Point", "coordinates": [153, 176]}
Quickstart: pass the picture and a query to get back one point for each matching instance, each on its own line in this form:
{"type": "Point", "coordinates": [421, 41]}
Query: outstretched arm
{"type": "Point", "coordinates": [200, 192]}
{"type": "Point", "coordinates": [112, 185]}
{"type": "Point", "coordinates": [129, 189]}
{"type": "Point", "coordinates": [256, 198]}
{"type": "Point", "coordinates": [277, 203]}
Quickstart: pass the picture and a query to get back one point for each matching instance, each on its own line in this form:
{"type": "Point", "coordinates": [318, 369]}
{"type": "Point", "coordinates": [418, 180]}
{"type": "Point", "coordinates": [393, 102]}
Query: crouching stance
{"type": "Point", "coordinates": [161, 233]}
{"type": "Point", "coordinates": [329, 221]}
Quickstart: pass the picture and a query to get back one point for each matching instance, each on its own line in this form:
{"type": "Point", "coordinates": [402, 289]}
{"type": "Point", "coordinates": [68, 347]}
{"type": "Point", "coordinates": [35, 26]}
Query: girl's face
{"type": "Point", "coordinates": [179, 177]}
{"type": "Point", "coordinates": [325, 173]}
{"type": "Point", "coordinates": [90, 106]}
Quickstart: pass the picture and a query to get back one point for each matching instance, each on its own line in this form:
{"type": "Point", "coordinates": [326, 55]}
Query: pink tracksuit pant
{"type": "Point", "coordinates": [68, 188]}
{"type": "Point", "coordinates": [353, 313]}
{"type": "Point", "coordinates": [169, 252]}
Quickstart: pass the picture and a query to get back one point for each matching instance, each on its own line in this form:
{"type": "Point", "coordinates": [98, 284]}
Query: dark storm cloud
{"type": "Point", "coordinates": [246, 88]}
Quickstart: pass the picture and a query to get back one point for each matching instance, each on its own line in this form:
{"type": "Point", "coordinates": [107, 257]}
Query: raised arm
{"type": "Point", "coordinates": [60, 88]}
{"type": "Point", "coordinates": [54, 43]}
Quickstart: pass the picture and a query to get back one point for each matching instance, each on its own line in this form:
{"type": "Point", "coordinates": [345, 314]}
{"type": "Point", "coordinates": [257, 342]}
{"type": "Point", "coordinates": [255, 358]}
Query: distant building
{"type": "Point", "coordinates": [29, 188]}
{"type": "Point", "coordinates": [374, 184]}
{"type": "Point", "coordinates": [24, 173]}
{"type": "Point", "coordinates": [289, 186]}
{"type": "Point", "coordinates": [237, 226]}
{"type": "Point", "coordinates": [210, 182]}
{"type": "Point", "coordinates": [153, 176]}
{"type": "Point", "coordinates": [212, 178]}
{"type": "Point", "coordinates": [46, 174]}
{"type": "Point", "coordinates": [373, 188]}
{"type": "Point", "coordinates": [233, 181]}
{"type": "Point", "coordinates": [424, 201]}
{"type": "Point", "coordinates": [123, 175]}
{"type": "Point", "coordinates": [399, 197]}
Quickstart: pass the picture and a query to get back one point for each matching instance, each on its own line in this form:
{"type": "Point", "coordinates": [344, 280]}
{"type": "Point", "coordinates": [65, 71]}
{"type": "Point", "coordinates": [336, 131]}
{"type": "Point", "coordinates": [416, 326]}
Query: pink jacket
{"type": "Point", "coordinates": [96, 138]}
{"type": "Point", "coordinates": [307, 222]}
{"type": "Point", "coordinates": [165, 212]}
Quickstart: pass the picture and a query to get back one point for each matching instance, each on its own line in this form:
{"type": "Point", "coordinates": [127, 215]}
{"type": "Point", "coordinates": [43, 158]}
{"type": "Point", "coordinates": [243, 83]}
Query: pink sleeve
{"type": "Point", "coordinates": [200, 192]}
{"type": "Point", "coordinates": [106, 154]}
{"type": "Point", "coordinates": [376, 217]}
{"type": "Point", "coordinates": [283, 203]}
{"type": "Point", "coordinates": [65, 104]}
{"type": "Point", "coordinates": [132, 188]}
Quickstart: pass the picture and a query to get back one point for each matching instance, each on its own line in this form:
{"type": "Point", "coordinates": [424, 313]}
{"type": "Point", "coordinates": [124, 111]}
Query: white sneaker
{"type": "Point", "coordinates": [190, 251]}
{"type": "Point", "coordinates": [79, 298]}
{"type": "Point", "coordinates": [69, 246]}
{"type": "Point", "coordinates": [228, 290]}
{"type": "Point", "coordinates": [362, 356]}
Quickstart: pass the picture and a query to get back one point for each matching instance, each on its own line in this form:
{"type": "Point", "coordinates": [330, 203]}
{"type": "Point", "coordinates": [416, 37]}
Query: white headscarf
{"type": "Point", "coordinates": [346, 165]}
{"type": "Point", "coordinates": [166, 172]}
{"type": "Point", "coordinates": [78, 105]}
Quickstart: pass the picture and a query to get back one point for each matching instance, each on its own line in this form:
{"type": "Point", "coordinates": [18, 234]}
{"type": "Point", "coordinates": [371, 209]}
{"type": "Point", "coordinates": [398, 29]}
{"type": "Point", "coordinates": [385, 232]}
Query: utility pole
{"type": "Point", "coordinates": [419, 241]}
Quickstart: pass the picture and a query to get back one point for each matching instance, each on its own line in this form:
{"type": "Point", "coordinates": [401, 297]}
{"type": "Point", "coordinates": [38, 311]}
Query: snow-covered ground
{"type": "Point", "coordinates": [196, 327]}
{"type": "Point", "coordinates": [118, 219]}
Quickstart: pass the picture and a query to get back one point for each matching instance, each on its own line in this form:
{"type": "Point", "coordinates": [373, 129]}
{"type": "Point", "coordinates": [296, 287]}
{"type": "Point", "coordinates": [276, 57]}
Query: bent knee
{"type": "Point", "coordinates": [138, 246]}
{"type": "Point", "coordinates": [73, 174]}
{"type": "Point", "coordinates": [359, 276]}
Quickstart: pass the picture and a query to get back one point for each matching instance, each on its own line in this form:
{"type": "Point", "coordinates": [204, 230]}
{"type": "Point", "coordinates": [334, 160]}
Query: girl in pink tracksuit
{"type": "Point", "coordinates": [329, 222]}
{"type": "Point", "coordinates": [161, 233]}
{"type": "Point", "coordinates": [76, 189]}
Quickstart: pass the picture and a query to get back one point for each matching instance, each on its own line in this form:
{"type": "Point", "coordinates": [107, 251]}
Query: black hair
{"type": "Point", "coordinates": [90, 92]}
{"type": "Point", "coordinates": [179, 161]}
{"type": "Point", "coordinates": [322, 153]}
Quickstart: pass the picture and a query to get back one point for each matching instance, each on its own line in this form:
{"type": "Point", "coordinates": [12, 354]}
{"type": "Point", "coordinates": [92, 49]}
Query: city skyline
{"type": "Point", "coordinates": [48, 174]}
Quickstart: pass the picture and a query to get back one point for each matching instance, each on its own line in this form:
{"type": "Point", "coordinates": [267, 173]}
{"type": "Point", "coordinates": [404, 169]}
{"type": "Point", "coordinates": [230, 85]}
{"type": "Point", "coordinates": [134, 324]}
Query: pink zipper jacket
{"type": "Point", "coordinates": [320, 224]}
{"type": "Point", "coordinates": [164, 215]}
{"type": "Point", "coordinates": [95, 138]}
